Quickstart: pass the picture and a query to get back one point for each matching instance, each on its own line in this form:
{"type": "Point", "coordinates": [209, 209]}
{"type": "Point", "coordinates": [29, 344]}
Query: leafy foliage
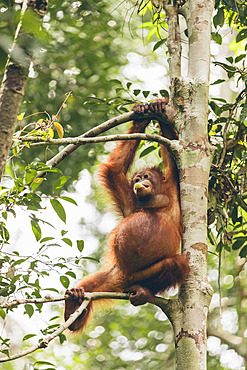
{"type": "Point", "coordinates": [80, 50]}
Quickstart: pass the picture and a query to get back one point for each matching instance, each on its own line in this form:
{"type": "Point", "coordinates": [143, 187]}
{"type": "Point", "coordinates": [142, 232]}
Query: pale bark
{"type": "Point", "coordinates": [188, 314]}
{"type": "Point", "coordinates": [198, 16]}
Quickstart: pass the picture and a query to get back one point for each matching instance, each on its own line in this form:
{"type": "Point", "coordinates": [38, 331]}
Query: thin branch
{"type": "Point", "coordinates": [113, 122]}
{"type": "Point", "coordinates": [82, 140]}
{"type": "Point", "coordinates": [88, 297]}
{"type": "Point", "coordinates": [45, 342]}
{"type": "Point", "coordinates": [95, 131]}
{"type": "Point", "coordinates": [105, 126]}
{"type": "Point", "coordinates": [48, 298]}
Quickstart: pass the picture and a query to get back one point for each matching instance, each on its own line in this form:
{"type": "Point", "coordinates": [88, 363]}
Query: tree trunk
{"type": "Point", "coordinates": [189, 95]}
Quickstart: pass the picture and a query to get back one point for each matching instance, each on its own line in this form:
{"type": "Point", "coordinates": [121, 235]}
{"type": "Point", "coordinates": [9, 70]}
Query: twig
{"type": "Point", "coordinates": [224, 67]}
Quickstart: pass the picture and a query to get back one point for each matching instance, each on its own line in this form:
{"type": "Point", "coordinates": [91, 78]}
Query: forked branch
{"type": "Point", "coordinates": [161, 302]}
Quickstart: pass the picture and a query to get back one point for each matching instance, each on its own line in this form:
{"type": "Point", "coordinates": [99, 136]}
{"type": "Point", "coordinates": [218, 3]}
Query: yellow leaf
{"type": "Point", "coordinates": [50, 132]}
{"type": "Point", "coordinates": [38, 180]}
{"type": "Point", "coordinates": [59, 129]}
{"type": "Point", "coordinates": [21, 116]}
{"type": "Point", "coordinates": [211, 133]}
{"type": "Point", "coordinates": [40, 121]}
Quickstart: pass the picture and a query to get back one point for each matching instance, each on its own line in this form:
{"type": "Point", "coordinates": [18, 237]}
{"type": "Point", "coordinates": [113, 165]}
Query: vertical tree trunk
{"type": "Point", "coordinates": [189, 95]}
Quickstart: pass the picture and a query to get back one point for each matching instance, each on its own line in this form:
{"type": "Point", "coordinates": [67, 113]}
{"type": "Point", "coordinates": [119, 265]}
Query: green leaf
{"type": "Point", "coordinates": [164, 93]}
{"type": "Point", "coordinates": [217, 38]}
{"type": "Point", "coordinates": [15, 149]}
{"type": "Point", "coordinates": [136, 92]}
{"type": "Point", "coordinates": [29, 309]}
{"type": "Point", "coordinates": [68, 199]}
{"type": "Point", "coordinates": [242, 203]}
{"type": "Point", "coordinates": [36, 230]}
{"type": "Point", "coordinates": [19, 262]}
{"type": "Point", "coordinates": [46, 239]}
{"type": "Point", "coordinates": [28, 336]}
{"type": "Point", "coordinates": [159, 44]}
{"type": "Point", "coordinates": [241, 35]}
{"type": "Point", "coordinates": [30, 175]}
{"type": "Point", "coordinates": [243, 113]}
{"type": "Point", "coordinates": [240, 57]}
{"type": "Point", "coordinates": [147, 151]}
{"type": "Point", "coordinates": [71, 273]}
{"type": "Point", "coordinates": [243, 252]}
{"type": "Point", "coordinates": [238, 243]}
{"type": "Point", "coordinates": [115, 81]}
{"type": "Point", "coordinates": [219, 81]}
{"type": "Point", "coordinates": [229, 59]}
{"type": "Point", "coordinates": [52, 290]}
{"type": "Point", "coordinates": [152, 32]}
{"type": "Point", "coordinates": [60, 182]}
{"type": "Point", "coordinates": [65, 281]}
{"type": "Point", "coordinates": [2, 313]}
{"type": "Point", "coordinates": [5, 292]}
{"type": "Point", "coordinates": [219, 18]}
{"type": "Point", "coordinates": [145, 93]}
{"type": "Point", "coordinates": [128, 85]}
{"type": "Point", "coordinates": [43, 167]}
{"type": "Point", "coordinates": [62, 338]}
{"type": "Point", "coordinates": [80, 245]}
{"type": "Point", "coordinates": [44, 363]}
{"type": "Point", "coordinates": [58, 208]}
{"type": "Point", "coordinates": [215, 108]}
{"type": "Point", "coordinates": [67, 241]}
{"type": "Point", "coordinates": [36, 183]}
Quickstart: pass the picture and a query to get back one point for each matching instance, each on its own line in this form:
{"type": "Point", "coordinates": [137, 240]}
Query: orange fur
{"type": "Point", "coordinates": [142, 250]}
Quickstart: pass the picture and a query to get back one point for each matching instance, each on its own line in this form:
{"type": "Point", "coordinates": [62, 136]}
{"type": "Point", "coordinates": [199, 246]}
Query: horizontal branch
{"type": "Point", "coordinates": [48, 298]}
{"type": "Point", "coordinates": [161, 302]}
{"type": "Point", "coordinates": [87, 296]}
{"type": "Point", "coordinates": [105, 126]}
{"type": "Point", "coordinates": [101, 139]}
